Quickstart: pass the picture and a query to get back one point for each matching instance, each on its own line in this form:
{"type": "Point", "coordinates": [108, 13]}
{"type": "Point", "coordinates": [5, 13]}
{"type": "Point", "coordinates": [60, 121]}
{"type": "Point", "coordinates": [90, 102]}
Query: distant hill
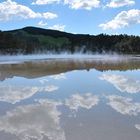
{"type": "Point", "coordinates": [31, 40]}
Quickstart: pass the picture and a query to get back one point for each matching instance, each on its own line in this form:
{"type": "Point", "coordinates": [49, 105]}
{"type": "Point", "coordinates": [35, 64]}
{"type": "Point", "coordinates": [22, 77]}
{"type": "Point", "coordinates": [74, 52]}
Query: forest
{"type": "Point", "coordinates": [31, 40]}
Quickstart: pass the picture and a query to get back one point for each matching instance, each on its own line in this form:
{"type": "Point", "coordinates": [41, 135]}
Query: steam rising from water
{"type": "Point", "coordinates": [22, 58]}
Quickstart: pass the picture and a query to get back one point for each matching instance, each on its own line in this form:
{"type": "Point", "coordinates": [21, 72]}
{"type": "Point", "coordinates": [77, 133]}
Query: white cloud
{"type": "Point", "coordinates": [122, 83]}
{"type": "Point", "coordinates": [124, 105]}
{"type": "Point", "coordinates": [39, 121]}
{"type": "Point", "coordinates": [58, 27]}
{"type": "Point", "coordinates": [58, 76]}
{"type": "Point", "coordinates": [43, 2]}
{"type": "Point", "coordinates": [13, 94]}
{"type": "Point", "coordinates": [137, 126]}
{"type": "Point", "coordinates": [49, 15]}
{"type": "Point", "coordinates": [84, 101]}
{"type": "Point", "coordinates": [123, 19]}
{"type": "Point", "coordinates": [120, 3]}
{"type": "Point", "coordinates": [41, 23]}
{"type": "Point", "coordinates": [11, 10]}
{"type": "Point", "coordinates": [82, 4]}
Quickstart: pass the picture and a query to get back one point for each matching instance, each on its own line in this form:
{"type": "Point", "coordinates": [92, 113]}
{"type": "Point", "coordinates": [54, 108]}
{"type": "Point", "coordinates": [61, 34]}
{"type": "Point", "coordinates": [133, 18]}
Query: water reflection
{"type": "Point", "coordinates": [34, 69]}
{"type": "Point", "coordinates": [38, 121]}
{"type": "Point", "coordinates": [59, 76]}
{"type": "Point", "coordinates": [70, 100]}
{"type": "Point", "coordinates": [122, 83]}
{"type": "Point", "coordinates": [124, 105]}
{"type": "Point", "coordinates": [13, 94]}
{"type": "Point", "coordinates": [137, 126]}
{"type": "Point", "coordinates": [86, 101]}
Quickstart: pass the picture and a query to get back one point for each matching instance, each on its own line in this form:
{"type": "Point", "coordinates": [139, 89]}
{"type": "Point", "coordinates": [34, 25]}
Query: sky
{"type": "Point", "coordinates": [74, 16]}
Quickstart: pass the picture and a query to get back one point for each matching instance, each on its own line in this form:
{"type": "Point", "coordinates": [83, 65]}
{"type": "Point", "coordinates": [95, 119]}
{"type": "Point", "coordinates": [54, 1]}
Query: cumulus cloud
{"type": "Point", "coordinates": [123, 19]}
{"type": "Point", "coordinates": [86, 101]}
{"type": "Point", "coordinates": [41, 23]}
{"type": "Point", "coordinates": [82, 4]}
{"type": "Point", "coordinates": [122, 83]}
{"type": "Point", "coordinates": [43, 2]}
{"type": "Point", "coordinates": [39, 121]}
{"type": "Point", "coordinates": [58, 76]}
{"type": "Point", "coordinates": [58, 27]}
{"type": "Point", "coordinates": [120, 3]}
{"type": "Point", "coordinates": [49, 15]}
{"type": "Point", "coordinates": [11, 10]}
{"type": "Point", "coordinates": [124, 105]}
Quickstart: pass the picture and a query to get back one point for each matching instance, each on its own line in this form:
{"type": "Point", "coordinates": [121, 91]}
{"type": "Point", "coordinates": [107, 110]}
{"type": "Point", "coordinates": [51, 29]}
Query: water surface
{"type": "Point", "coordinates": [70, 99]}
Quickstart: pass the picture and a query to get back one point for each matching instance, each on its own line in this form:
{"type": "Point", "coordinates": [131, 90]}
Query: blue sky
{"type": "Point", "coordinates": [76, 16]}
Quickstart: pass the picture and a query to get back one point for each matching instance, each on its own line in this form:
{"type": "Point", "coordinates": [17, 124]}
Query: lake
{"type": "Point", "coordinates": [70, 98]}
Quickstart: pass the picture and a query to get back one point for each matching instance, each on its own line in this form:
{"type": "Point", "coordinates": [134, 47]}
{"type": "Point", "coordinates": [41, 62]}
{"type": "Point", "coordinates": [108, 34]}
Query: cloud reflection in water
{"type": "Point", "coordinates": [14, 94]}
{"type": "Point", "coordinates": [86, 101]}
{"type": "Point", "coordinates": [58, 76]}
{"type": "Point", "coordinates": [37, 121]}
{"type": "Point", "coordinates": [137, 126]}
{"type": "Point", "coordinates": [124, 105]}
{"type": "Point", "coordinates": [122, 83]}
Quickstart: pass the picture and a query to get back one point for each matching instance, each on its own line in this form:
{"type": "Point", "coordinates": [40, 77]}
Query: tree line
{"type": "Point", "coordinates": [36, 40]}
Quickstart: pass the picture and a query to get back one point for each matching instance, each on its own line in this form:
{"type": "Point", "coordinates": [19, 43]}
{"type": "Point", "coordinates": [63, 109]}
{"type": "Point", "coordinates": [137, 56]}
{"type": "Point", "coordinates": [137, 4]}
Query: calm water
{"type": "Point", "coordinates": [70, 99]}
